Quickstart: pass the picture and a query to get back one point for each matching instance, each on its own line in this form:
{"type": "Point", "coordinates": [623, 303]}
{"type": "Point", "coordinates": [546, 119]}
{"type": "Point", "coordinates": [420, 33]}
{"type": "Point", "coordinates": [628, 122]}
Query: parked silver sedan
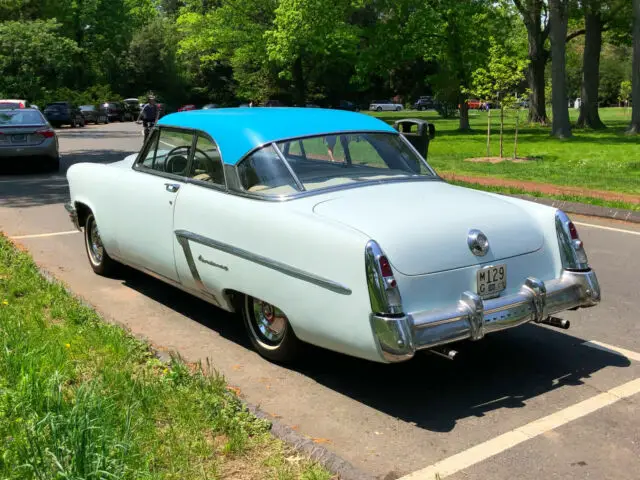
{"type": "Point", "coordinates": [26, 135]}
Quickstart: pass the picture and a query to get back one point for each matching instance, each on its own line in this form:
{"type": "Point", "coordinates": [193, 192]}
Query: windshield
{"type": "Point", "coordinates": [331, 160]}
{"type": "Point", "coordinates": [20, 117]}
{"type": "Point", "coordinates": [86, 108]}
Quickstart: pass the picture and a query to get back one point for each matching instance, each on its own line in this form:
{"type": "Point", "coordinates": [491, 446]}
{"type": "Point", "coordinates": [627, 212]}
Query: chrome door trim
{"type": "Point", "coordinates": [184, 236]}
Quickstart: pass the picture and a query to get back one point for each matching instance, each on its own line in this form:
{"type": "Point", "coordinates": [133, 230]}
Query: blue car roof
{"type": "Point", "coordinates": [237, 131]}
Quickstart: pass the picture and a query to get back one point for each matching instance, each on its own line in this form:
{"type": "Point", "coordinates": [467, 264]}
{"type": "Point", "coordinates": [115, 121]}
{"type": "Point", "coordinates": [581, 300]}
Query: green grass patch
{"type": "Point", "coordinates": [600, 160]}
{"type": "Point", "coordinates": [566, 198]}
{"type": "Point", "coordinates": [82, 399]}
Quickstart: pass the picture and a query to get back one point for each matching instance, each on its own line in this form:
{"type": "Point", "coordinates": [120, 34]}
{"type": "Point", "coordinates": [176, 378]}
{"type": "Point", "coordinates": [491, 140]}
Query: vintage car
{"type": "Point", "coordinates": [327, 227]}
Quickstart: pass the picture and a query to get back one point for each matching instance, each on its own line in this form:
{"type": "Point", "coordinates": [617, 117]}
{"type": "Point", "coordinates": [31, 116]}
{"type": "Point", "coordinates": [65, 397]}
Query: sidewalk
{"type": "Point", "coordinates": [545, 188]}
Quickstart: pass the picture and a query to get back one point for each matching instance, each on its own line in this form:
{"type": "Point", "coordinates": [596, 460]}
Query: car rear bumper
{"type": "Point", "coordinates": [400, 337]}
{"type": "Point", "coordinates": [47, 148]}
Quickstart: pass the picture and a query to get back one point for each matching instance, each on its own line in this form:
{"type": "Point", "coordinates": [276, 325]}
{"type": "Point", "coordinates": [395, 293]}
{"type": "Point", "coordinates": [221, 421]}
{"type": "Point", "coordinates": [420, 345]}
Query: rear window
{"type": "Point", "coordinates": [56, 106]}
{"type": "Point", "coordinates": [87, 107]}
{"type": "Point", "coordinates": [10, 105]}
{"type": "Point", "coordinates": [20, 117]}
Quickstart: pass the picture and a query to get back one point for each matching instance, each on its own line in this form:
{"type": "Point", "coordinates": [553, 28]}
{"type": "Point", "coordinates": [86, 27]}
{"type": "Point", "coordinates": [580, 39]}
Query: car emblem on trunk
{"type": "Point", "coordinates": [478, 243]}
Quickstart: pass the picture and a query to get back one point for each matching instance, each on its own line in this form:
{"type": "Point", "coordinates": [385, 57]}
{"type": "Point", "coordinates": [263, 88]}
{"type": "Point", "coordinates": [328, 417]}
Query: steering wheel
{"type": "Point", "coordinates": [176, 164]}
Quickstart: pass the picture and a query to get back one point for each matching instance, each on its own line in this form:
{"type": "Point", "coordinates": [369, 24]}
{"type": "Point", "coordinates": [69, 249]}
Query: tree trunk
{"type": "Point", "coordinates": [464, 115]}
{"type": "Point", "coordinates": [535, 78]}
{"type": "Point", "coordinates": [589, 116]}
{"type": "Point", "coordinates": [501, 129]}
{"type": "Point", "coordinates": [635, 80]}
{"type": "Point", "coordinates": [558, 20]}
{"type": "Point", "coordinates": [531, 11]}
{"type": "Point", "coordinates": [489, 133]}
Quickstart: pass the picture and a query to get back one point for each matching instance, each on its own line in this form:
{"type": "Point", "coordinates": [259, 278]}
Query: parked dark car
{"type": "Point", "coordinates": [132, 108]}
{"type": "Point", "coordinates": [93, 114]}
{"type": "Point", "coordinates": [64, 113]}
{"type": "Point", "coordinates": [274, 103]}
{"type": "Point", "coordinates": [346, 105]}
{"type": "Point", "coordinates": [426, 103]}
{"type": "Point", "coordinates": [25, 135]}
{"type": "Point", "coordinates": [115, 111]}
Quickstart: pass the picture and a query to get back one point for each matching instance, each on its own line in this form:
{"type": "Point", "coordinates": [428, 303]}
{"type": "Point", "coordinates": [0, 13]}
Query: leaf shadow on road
{"type": "Point", "coordinates": [504, 370]}
{"type": "Point", "coordinates": [24, 184]}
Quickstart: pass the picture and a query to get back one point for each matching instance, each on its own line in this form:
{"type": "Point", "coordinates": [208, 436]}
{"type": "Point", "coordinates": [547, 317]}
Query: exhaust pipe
{"type": "Point", "coordinates": [444, 352]}
{"type": "Point", "coordinates": [557, 322]}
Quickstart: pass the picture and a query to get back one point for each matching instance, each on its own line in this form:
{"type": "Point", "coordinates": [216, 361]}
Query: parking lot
{"type": "Point", "coordinates": [530, 403]}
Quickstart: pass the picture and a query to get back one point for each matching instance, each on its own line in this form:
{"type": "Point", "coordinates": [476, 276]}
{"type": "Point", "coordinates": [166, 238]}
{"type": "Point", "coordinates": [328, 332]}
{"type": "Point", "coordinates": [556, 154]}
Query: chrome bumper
{"type": "Point", "coordinates": [73, 214]}
{"type": "Point", "coordinates": [399, 337]}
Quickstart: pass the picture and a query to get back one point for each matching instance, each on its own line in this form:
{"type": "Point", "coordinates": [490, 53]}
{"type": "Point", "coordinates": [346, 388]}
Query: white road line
{"type": "Point", "coordinates": [478, 453]}
{"type": "Point", "coordinates": [613, 349]}
{"type": "Point", "coordinates": [602, 227]}
{"type": "Point", "coordinates": [42, 235]}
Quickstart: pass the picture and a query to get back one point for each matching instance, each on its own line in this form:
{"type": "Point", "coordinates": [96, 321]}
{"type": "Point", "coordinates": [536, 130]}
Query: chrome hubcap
{"type": "Point", "coordinates": [270, 321]}
{"type": "Point", "coordinates": [96, 249]}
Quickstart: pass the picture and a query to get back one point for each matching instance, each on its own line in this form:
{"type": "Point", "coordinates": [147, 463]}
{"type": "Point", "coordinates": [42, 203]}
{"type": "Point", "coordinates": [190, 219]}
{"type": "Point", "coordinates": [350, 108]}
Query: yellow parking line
{"type": "Point", "coordinates": [478, 453]}
{"type": "Point", "coordinates": [612, 349]}
{"type": "Point", "coordinates": [42, 235]}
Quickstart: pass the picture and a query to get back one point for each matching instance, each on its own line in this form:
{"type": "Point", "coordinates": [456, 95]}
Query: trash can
{"type": "Point", "coordinates": [418, 132]}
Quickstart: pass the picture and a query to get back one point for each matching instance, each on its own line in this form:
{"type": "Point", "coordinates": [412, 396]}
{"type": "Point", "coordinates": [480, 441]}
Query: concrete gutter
{"type": "Point", "coordinates": [586, 209]}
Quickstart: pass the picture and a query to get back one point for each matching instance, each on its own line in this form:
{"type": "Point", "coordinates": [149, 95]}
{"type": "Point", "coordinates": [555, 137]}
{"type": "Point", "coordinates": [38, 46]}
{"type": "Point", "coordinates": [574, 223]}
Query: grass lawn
{"type": "Point", "coordinates": [601, 160]}
{"type": "Point", "coordinates": [82, 399]}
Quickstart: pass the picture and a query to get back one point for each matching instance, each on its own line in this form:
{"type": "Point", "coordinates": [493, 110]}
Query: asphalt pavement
{"type": "Point", "coordinates": [529, 403]}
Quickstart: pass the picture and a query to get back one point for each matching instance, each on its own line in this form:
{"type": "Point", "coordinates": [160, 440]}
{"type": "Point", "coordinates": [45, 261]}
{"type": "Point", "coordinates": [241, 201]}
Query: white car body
{"type": "Point", "coordinates": [385, 105]}
{"type": "Point", "coordinates": [316, 256]}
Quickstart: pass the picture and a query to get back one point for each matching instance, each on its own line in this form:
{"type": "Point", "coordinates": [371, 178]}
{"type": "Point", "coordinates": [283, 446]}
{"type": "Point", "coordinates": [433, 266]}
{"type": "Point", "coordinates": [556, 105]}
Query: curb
{"type": "Point", "coordinates": [585, 208]}
{"type": "Point", "coordinates": [317, 453]}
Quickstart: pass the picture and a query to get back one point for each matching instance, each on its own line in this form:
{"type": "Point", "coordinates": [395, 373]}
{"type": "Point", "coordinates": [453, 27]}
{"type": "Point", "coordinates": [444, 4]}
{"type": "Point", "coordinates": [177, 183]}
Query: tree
{"type": "Point", "coordinates": [625, 93]}
{"type": "Point", "coordinates": [593, 25]}
{"type": "Point", "coordinates": [304, 34]}
{"type": "Point", "coordinates": [558, 21]}
{"type": "Point", "coordinates": [535, 16]}
{"type": "Point", "coordinates": [496, 82]}
{"type": "Point", "coordinates": [34, 58]}
{"type": "Point", "coordinates": [634, 127]}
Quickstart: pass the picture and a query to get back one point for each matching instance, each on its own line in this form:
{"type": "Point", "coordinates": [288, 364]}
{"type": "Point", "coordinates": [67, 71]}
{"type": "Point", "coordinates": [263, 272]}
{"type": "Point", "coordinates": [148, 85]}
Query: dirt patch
{"type": "Point", "coordinates": [499, 159]}
{"type": "Point", "coordinates": [545, 188]}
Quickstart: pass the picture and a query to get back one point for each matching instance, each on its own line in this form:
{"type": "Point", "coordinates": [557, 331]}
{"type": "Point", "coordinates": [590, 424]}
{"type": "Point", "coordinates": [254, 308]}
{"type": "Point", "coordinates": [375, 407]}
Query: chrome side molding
{"type": "Point", "coordinates": [184, 237]}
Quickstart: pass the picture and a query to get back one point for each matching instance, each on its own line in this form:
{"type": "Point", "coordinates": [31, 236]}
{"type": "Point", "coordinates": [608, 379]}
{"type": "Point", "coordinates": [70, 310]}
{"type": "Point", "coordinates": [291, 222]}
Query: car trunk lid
{"type": "Point", "coordinates": [423, 226]}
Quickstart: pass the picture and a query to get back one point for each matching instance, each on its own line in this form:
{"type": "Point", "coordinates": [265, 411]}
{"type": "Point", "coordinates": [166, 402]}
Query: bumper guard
{"type": "Point", "coordinates": [400, 336]}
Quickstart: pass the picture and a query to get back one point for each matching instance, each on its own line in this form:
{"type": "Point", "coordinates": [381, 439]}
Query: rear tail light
{"type": "Point", "coordinates": [46, 133]}
{"type": "Point", "coordinates": [572, 250]}
{"type": "Point", "coordinates": [383, 289]}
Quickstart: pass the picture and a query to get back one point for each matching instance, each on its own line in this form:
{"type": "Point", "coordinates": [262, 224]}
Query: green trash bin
{"type": "Point", "coordinates": [418, 132]}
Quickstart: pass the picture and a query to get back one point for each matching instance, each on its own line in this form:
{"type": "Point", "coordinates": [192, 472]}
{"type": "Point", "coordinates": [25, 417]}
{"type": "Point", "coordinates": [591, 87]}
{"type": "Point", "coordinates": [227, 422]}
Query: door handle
{"type": "Point", "coordinates": [172, 187]}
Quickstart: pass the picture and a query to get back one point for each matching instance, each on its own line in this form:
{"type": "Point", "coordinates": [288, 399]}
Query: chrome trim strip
{"type": "Point", "coordinates": [260, 260]}
{"type": "Point", "coordinates": [286, 164]}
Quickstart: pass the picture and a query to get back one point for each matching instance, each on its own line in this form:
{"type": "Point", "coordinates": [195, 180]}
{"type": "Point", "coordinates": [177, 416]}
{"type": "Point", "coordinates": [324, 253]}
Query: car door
{"type": "Point", "coordinates": [148, 200]}
{"type": "Point", "coordinates": [201, 267]}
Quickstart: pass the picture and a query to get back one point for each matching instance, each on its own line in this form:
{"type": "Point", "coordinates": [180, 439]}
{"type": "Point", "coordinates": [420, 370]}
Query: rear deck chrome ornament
{"type": "Point", "coordinates": [478, 243]}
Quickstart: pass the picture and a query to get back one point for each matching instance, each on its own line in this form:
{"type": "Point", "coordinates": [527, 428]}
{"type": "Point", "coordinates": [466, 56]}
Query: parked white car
{"type": "Point", "coordinates": [327, 227]}
{"type": "Point", "coordinates": [382, 105]}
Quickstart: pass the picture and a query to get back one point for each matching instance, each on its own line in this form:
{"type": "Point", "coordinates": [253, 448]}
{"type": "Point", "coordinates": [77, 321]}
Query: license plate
{"type": "Point", "coordinates": [18, 138]}
{"type": "Point", "coordinates": [491, 280]}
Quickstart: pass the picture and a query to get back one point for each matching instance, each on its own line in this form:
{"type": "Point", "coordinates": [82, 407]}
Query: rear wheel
{"type": "Point", "coordinates": [99, 259]}
{"type": "Point", "coordinates": [269, 330]}
{"type": "Point", "coordinates": [379, 109]}
{"type": "Point", "coordinates": [398, 109]}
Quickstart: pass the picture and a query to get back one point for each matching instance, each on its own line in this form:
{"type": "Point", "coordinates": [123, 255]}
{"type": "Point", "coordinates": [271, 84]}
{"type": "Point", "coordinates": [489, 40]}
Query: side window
{"type": "Point", "coordinates": [264, 173]}
{"type": "Point", "coordinates": [207, 164]}
{"type": "Point", "coordinates": [168, 151]}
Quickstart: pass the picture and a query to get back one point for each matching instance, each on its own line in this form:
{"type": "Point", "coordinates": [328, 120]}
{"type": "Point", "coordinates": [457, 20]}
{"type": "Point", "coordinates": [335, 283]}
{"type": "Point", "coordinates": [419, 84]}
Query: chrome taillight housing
{"type": "Point", "coordinates": [572, 253]}
{"type": "Point", "coordinates": [383, 288]}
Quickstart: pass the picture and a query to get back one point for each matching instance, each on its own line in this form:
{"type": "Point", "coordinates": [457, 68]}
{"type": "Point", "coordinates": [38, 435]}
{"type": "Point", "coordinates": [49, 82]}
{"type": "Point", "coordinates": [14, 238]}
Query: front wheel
{"type": "Point", "coordinates": [398, 109]}
{"type": "Point", "coordinates": [269, 330]}
{"type": "Point", "coordinates": [99, 259]}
